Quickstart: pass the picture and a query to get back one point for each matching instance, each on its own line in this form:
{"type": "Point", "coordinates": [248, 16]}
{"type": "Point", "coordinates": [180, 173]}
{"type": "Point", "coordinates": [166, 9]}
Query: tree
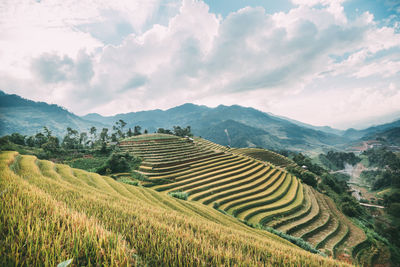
{"type": "Point", "coordinates": [93, 135]}
{"type": "Point", "coordinates": [47, 132]}
{"type": "Point", "coordinates": [119, 162]}
{"type": "Point", "coordinates": [30, 141]}
{"type": "Point", "coordinates": [145, 131]}
{"type": "Point", "coordinates": [136, 130]}
{"type": "Point", "coordinates": [71, 139]}
{"type": "Point", "coordinates": [114, 137]}
{"type": "Point", "coordinates": [40, 139]}
{"type": "Point", "coordinates": [129, 133]}
{"type": "Point", "coordinates": [164, 131]}
{"type": "Point", "coordinates": [52, 145]}
{"type": "Point", "coordinates": [178, 131]}
{"type": "Point", "coordinates": [104, 135]}
{"type": "Point", "coordinates": [82, 138]}
{"type": "Point", "coordinates": [17, 138]}
{"type": "Point", "coordinates": [119, 128]}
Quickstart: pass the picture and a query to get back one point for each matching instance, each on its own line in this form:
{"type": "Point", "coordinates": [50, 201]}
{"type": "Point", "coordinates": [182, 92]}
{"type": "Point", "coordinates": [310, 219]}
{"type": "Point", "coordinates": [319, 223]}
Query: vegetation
{"type": "Point", "coordinates": [94, 220]}
{"type": "Point", "coordinates": [388, 169]}
{"type": "Point", "coordinates": [295, 240]}
{"type": "Point", "coordinates": [307, 177]}
{"type": "Point", "coordinates": [128, 181]}
{"type": "Point", "coordinates": [88, 162]}
{"type": "Point", "coordinates": [337, 160]}
{"type": "Point", "coordinates": [380, 225]}
{"type": "Point", "coordinates": [119, 162]}
{"type": "Point", "coordinates": [385, 175]}
{"type": "Point", "coordinates": [179, 195]}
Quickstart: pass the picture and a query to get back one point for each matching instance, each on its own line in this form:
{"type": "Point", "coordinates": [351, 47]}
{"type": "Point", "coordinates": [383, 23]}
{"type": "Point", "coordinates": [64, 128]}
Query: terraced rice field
{"type": "Point", "coordinates": [265, 155]}
{"type": "Point", "coordinates": [247, 188]}
{"type": "Point", "coordinates": [50, 213]}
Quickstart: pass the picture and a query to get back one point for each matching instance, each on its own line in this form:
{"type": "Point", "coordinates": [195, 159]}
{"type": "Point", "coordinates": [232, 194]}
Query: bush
{"type": "Point", "coordinates": [119, 162]}
{"type": "Point", "coordinates": [307, 177]}
{"type": "Point", "coordinates": [91, 164]}
{"type": "Point", "coordinates": [128, 181]}
{"type": "Point", "coordinates": [295, 240]}
{"type": "Point", "coordinates": [17, 138]}
{"type": "Point", "coordinates": [139, 176]}
{"type": "Point", "coordinates": [179, 195]}
{"type": "Point", "coordinates": [351, 208]}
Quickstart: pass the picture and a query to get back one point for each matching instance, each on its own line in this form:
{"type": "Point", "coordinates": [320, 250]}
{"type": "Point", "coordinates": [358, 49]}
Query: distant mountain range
{"type": "Point", "coordinates": [245, 127]}
{"type": "Point", "coordinates": [227, 125]}
{"type": "Point", "coordinates": [28, 117]}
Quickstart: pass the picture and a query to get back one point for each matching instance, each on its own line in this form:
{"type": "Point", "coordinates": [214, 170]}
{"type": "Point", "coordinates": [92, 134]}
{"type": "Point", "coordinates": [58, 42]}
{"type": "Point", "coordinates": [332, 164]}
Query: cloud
{"type": "Point", "coordinates": [51, 68]}
{"type": "Point", "coordinates": [122, 56]}
{"type": "Point", "coordinates": [137, 80]}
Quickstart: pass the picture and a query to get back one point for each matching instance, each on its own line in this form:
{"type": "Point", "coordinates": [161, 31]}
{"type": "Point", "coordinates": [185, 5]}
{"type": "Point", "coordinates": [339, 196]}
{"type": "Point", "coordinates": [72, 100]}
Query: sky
{"type": "Point", "coordinates": [323, 62]}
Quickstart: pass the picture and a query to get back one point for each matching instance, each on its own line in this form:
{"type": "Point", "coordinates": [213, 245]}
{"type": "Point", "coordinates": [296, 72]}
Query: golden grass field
{"type": "Point", "coordinates": [51, 213]}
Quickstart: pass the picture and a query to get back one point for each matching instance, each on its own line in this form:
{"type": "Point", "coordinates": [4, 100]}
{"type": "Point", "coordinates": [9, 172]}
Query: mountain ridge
{"type": "Point", "coordinates": [29, 117]}
{"type": "Point", "coordinates": [248, 126]}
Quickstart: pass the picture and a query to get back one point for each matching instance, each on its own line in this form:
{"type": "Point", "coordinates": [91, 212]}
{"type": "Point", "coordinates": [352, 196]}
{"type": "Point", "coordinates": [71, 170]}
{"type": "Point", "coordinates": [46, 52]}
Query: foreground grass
{"type": "Point", "coordinates": [50, 213]}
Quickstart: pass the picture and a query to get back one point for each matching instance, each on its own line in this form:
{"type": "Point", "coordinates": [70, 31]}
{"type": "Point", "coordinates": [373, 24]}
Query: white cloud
{"type": "Point", "coordinates": [120, 56]}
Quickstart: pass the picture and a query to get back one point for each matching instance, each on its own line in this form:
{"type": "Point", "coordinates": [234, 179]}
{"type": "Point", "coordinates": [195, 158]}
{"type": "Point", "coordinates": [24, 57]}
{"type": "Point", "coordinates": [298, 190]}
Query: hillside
{"type": "Point", "coordinates": [29, 117]}
{"type": "Point", "coordinates": [61, 213]}
{"type": "Point", "coordinates": [389, 137]}
{"type": "Point", "coordinates": [251, 190]}
{"type": "Point", "coordinates": [265, 155]}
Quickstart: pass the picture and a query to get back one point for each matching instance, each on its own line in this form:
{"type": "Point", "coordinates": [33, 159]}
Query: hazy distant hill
{"type": "Point", "coordinates": [391, 136]}
{"type": "Point", "coordinates": [28, 117]}
{"type": "Point", "coordinates": [246, 126]}
{"type": "Point", "coordinates": [326, 129]}
{"type": "Point", "coordinates": [358, 134]}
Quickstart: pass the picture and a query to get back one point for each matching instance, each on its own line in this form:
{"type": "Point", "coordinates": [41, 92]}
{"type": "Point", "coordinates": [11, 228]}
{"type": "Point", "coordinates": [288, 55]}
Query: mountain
{"type": "Point", "coordinates": [358, 134]}
{"type": "Point", "coordinates": [390, 136]}
{"type": "Point", "coordinates": [326, 129]}
{"type": "Point", "coordinates": [29, 117]}
{"type": "Point", "coordinates": [246, 126]}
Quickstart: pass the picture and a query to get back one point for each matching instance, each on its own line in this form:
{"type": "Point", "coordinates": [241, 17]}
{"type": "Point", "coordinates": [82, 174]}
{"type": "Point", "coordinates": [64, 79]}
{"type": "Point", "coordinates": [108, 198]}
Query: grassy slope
{"type": "Point", "coordinates": [50, 213]}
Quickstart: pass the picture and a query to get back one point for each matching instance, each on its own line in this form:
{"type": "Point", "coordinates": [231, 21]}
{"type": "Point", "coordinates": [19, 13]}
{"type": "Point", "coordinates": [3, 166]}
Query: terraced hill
{"type": "Point", "coordinates": [50, 213]}
{"type": "Point", "coordinates": [251, 190]}
{"type": "Point", "coordinates": [265, 155]}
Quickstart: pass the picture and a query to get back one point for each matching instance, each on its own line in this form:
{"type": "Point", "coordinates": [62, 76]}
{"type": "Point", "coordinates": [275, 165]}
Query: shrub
{"type": "Point", "coordinates": [295, 240]}
{"type": "Point", "coordinates": [139, 176]}
{"type": "Point", "coordinates": [307, 177]}
{"type": "Point", "coordinates": [128, 181]}
{"type": "Point", "coordinates": [119, 162]}
{"type": "Point", "coordinates": [179, 195]}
